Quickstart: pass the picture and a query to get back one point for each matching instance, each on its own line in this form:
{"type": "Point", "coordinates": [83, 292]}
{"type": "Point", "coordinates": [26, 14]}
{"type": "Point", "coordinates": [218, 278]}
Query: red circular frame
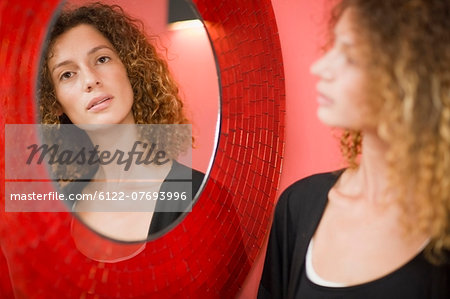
{"type": "Point", "coordinates": [211, 251]}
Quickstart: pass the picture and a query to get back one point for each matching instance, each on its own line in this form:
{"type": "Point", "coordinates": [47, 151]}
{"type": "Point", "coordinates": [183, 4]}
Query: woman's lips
{"type": "Point", "coordinates": [323, 100]}
{"type": "Point", "coordinates": [101, 104]}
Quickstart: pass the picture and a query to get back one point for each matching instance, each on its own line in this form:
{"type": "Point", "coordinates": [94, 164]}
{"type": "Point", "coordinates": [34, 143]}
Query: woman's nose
{"type": "Point", "coordinates": [91, 79]}
{"type": "Point", "coordinates": [321, 68]}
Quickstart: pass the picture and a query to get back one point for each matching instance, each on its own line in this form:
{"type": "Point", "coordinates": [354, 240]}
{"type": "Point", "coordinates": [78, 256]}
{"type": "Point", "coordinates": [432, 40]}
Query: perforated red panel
{"type": "Point", "coordinates": [209, 254]}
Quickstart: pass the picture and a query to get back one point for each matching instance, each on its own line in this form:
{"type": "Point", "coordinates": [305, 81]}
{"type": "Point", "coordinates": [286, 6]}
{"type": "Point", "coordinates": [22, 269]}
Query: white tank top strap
{"type": "Point", "coordinates": [312, 275]}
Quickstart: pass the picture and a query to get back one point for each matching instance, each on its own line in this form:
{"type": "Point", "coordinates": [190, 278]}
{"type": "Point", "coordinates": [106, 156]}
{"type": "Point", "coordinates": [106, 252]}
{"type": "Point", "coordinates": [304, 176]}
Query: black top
{"type": "Point", "coordinates": [178, 180]}
{"type": "Point", "coordinates": [296, 218]}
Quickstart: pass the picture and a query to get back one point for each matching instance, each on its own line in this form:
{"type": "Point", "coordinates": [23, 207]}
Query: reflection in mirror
{"type": "Point", "coordinates": [100, 69]}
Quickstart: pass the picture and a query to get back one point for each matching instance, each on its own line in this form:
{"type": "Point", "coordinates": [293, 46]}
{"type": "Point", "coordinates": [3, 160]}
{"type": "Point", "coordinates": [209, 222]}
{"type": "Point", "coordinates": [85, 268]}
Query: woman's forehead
{"type": "Point", "coordinates": [82, 38]}
{"type": "Point", "coordinates": [346, 26]}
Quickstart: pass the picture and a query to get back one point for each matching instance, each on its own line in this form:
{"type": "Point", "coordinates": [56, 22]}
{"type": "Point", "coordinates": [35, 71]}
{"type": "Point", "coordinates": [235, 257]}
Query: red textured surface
{"type": "Point", "coordinates": [209, 254]}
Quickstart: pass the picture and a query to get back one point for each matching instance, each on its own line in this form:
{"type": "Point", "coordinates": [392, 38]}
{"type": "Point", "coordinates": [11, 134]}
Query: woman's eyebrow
{"type": "Point", "coordinates": [65, 62]}
{"type": "Point", "coordinates": [91, 51]}
{"type": "Point", "coordinates": [95, 49]}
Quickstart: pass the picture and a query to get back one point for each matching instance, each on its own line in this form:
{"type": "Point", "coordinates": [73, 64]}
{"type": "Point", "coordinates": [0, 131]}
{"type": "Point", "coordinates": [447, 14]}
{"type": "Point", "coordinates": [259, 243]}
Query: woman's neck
{"type": "Point", "coordinates": [113, 136]}
{"type": "Point", "coordinates": [369, 181]}
{"type": "Point", "coordinates": [123, 156]}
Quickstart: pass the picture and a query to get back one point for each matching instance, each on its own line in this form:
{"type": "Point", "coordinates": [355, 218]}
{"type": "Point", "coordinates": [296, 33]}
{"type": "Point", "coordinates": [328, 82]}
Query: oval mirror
{"type": "Point", "coordinates": [118, 202]}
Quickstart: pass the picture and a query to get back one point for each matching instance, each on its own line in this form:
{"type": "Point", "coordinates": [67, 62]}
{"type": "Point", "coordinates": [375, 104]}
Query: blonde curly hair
{"type": "Point", "coordinates": [408, 54]}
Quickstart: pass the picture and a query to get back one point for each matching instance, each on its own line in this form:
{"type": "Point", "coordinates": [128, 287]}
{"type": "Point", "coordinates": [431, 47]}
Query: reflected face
{"type": "Point", "coordinates": [342, 79]}
{"type": "Point", "coordinates": [90, 81]}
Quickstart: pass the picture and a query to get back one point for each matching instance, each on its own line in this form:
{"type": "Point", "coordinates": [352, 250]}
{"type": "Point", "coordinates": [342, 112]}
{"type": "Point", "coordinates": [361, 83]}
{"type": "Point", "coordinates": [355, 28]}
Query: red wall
{"type": "Point", "coordinates": [310, 146]}
{"type": "Point", "coordinates": [192, 63]}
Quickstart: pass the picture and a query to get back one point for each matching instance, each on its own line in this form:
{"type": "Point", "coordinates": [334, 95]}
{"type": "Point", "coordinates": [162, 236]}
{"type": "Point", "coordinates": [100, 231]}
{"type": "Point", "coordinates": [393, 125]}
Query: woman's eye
{"type": "Point", "coordinates": [104, 59]}
{"type": "Point", "coordinates": [350, 60]}
{"type": "Point", "coordinates": [66, 75]}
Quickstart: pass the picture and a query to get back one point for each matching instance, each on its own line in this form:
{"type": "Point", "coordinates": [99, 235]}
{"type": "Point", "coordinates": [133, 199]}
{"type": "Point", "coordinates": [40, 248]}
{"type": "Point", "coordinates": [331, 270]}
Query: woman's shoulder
{"type": "Point", "coordinates": [180, 171]}
{"type": "Point", "coordinates": [308, 192]}
{"type": "Point", "coordinates": [317, 180]}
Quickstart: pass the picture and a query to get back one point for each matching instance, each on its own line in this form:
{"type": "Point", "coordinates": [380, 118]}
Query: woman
{"type": "Point", "coordinates": [381, 227]}
{"type": "Point", "coordinates": [100, 69]}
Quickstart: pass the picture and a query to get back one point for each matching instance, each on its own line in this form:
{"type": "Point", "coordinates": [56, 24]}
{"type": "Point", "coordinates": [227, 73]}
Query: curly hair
{"type": "Point", "coordinates": [408, 54]}
{"type": "Point", "coordinates": [156, 96]}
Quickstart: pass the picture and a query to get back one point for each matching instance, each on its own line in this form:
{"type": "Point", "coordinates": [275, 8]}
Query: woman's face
{"type": "Point", "coordinates": [342, 79]}
{"type": "Point", "coordinates": [90, 80]}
